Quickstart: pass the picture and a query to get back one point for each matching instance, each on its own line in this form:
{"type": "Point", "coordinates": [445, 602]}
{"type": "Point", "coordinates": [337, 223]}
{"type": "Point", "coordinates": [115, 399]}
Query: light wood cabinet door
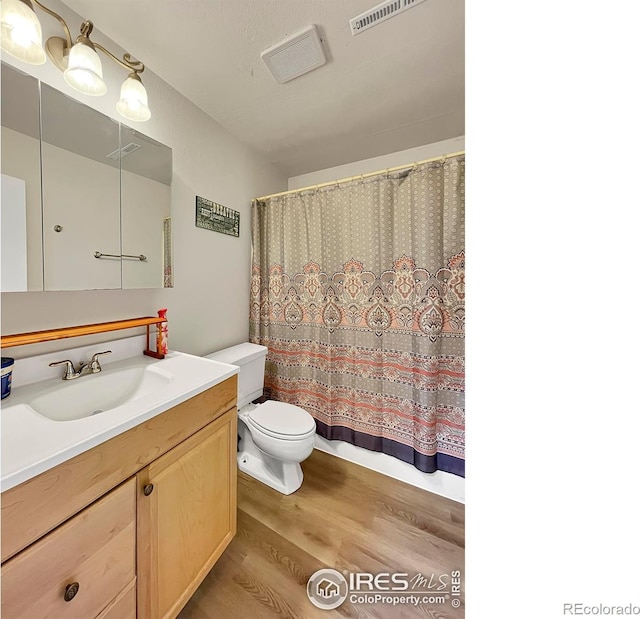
{"type": "Point", "coordinates": [186, 516]}
{"type": "Point", "coordinates": [77, 570]}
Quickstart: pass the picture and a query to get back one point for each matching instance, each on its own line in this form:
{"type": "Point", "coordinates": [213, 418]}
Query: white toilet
{"type": "Point", "coordinates": [274, 437]}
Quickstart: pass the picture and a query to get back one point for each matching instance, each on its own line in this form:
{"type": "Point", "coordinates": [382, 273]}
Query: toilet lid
{"type": "Point", "coordinates": [282, 418]}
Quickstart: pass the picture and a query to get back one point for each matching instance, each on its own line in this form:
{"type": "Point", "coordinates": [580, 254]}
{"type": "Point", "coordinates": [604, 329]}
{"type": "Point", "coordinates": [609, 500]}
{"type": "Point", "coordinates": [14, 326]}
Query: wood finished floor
{"type": "Point", "coordinates": [345, 517]}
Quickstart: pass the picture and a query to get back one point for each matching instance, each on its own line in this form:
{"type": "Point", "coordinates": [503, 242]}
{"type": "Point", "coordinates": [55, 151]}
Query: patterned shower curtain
{"type": "Point", "coordinates": [358, 292]}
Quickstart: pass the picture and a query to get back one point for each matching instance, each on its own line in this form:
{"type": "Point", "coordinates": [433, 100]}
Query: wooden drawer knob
{"type": "Point", "coordinates": [70, 591]}
{"type": "Point", "coordinates": [148, 489]}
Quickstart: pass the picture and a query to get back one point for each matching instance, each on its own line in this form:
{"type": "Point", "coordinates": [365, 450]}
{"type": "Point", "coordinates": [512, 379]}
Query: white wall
{"type": "Point", "coordinates": [374, 164]}
{"type": "Point", "coordinates": [208, 307]}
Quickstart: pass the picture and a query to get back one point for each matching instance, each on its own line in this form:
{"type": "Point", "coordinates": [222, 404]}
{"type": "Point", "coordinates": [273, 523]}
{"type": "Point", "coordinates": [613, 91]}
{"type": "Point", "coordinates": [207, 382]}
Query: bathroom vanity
{"type": "Point", "coordinates": [123, 521]}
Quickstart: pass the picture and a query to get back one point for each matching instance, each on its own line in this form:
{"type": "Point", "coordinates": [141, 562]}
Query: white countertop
{"type": "Point", "coordinates": [32, 443]}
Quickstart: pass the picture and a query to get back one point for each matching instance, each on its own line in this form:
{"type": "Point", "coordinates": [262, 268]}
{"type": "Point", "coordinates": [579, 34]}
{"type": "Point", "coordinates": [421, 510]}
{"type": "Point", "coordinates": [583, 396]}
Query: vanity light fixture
{"type": "Point", "coordinates": [79, 61]}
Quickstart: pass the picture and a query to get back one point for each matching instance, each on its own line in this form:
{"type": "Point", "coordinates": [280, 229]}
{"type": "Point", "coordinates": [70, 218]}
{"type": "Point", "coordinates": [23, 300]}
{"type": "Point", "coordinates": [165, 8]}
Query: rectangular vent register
{"type": "Point", "coordinates": [380, 13]}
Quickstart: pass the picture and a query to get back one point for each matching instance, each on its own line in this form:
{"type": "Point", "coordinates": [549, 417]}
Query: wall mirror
{"type": "Point", "coordinates": [21, 200]}
{"type": "Point", "coordinates": [146, 171]}
{"type": "Point", "coordinates": [80, 194]}
{"type": "Point", "coordinates": [103, 221]}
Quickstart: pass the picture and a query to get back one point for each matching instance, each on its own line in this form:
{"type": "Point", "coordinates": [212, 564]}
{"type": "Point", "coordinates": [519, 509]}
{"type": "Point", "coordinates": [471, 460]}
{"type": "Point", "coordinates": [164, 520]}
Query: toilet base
{"type": "Point", "coordinates": [286, 478]}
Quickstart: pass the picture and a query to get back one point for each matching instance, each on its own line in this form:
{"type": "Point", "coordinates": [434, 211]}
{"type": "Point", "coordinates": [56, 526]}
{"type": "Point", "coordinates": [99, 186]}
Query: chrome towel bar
{"type": "Point", "coordinates": [99, 254]}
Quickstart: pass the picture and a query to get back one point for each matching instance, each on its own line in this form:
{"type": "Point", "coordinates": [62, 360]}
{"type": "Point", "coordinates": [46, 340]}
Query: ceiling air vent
{"type": "Point", "coordinates": [120, 153]}
{"type": "Point", "coordinates": [298, 54]}
{"type": "Point", "coordinates": [380, 13]}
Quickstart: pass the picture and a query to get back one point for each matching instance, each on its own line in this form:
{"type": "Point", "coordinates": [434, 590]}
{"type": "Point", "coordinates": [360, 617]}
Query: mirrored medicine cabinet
{"type": "Point", "coordinates": [86, 200]}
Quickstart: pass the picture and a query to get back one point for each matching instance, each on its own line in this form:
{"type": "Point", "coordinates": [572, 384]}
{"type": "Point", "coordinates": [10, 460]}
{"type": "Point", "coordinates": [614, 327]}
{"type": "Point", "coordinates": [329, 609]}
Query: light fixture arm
{"type": "Point", "coordinates": [67, 32]}
{"type": "Point", "coordinates": [85, 31]}
{"type": "Point", "coordinates": [86, 28]}
{"type": "Point", "coordinates": [78, 60]}
{"type": "Point", "coordinates": [127, 63]}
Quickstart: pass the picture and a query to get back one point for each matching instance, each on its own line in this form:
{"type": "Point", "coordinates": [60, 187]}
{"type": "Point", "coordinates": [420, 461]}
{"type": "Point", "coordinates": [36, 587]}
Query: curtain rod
{"type": "Point", "coordinates": [360, 176]}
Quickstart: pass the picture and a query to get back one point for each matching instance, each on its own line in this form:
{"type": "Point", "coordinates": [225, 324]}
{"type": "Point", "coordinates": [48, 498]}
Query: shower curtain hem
{"type": "Point", "coordinates": [424, 463]}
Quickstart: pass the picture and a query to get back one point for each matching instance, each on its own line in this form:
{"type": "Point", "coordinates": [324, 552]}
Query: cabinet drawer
{"type": "Point", "coordinates": [124, 606]}
{"type": "Point", "coordinates": [95, 549]}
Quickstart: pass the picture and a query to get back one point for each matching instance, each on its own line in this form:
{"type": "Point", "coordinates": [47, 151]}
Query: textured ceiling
{"type": "Point", "coordinates": [395, 86]}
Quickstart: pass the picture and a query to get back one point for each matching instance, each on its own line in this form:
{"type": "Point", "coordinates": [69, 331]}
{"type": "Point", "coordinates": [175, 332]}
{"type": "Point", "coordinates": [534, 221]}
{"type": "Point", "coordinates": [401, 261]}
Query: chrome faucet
{"type": "Point", "coordinates": [93, 367]}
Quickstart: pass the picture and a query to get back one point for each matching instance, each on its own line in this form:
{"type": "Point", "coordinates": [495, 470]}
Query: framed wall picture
{"type": "Point", "coordinates": [213, 216]}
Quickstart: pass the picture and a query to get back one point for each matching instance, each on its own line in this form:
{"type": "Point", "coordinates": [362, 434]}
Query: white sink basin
{"type": "Point", "coordinates": [47, 422]}
{"type": "Point", "coordinates": [96, 393]}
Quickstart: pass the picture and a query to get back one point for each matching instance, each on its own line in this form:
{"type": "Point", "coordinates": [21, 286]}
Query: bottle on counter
{"type": "Point", "coordinates": [7, 369]}
{"type": "Point", "coordinates": [162, 334]}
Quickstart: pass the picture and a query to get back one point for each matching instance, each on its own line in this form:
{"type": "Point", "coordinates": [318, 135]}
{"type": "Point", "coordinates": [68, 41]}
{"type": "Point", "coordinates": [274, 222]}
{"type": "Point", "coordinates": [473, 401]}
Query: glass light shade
{"type": "Point", "coordinates": [84, 71]}
{"type": "Point", "coordinates": [133, 102]}
{"type": "Point", "coordinates": [21, 32]}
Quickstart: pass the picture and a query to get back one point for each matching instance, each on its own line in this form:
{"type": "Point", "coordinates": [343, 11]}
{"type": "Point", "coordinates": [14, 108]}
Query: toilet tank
{"type": "Point", "coordinates": [250, 358]}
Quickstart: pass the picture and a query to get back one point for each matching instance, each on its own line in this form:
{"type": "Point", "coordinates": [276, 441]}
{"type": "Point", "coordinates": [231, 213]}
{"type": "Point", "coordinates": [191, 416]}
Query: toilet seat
{"type": "Point", "coordinates": [282, 420]}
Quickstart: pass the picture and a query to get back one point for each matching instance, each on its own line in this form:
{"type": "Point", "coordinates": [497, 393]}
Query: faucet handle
{"type": "Point", "coordinates": [95, 364]}
{"type": "Point", "coordinates": [69, 371]}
